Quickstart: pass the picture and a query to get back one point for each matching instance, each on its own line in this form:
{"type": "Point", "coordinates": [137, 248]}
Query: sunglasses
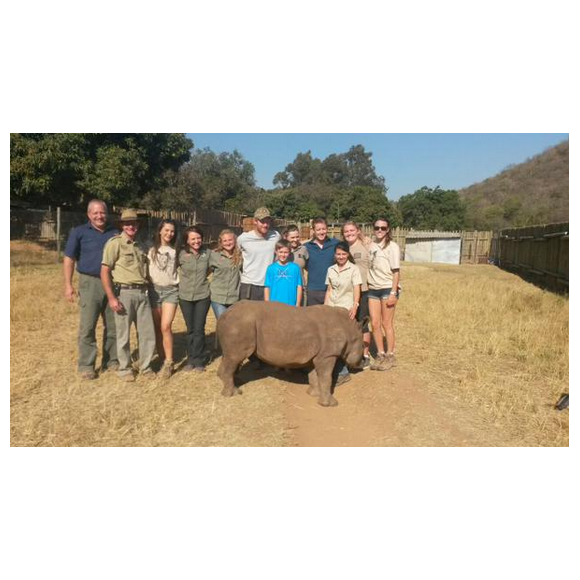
{"type": "Point", "coordinates": [381, 228]}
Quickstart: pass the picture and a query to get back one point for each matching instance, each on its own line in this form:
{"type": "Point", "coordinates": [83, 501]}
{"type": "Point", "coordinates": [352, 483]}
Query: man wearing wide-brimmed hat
{"type": "Point", "coordinates": [257, 247]}
{"type": "Point", "coordinates": [85, 249]}
{"type": "Point", "coordinates": [124, 277]}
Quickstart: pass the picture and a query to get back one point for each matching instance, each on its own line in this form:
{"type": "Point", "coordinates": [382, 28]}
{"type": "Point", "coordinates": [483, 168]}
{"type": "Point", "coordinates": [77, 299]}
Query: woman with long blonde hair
{"type": "Point", "coordinates": [359, 246]}
{"type": "Point", "coordinates": [225, 262]}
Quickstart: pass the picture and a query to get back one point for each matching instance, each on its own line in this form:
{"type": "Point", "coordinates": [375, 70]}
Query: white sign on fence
{"type": "Point", "coordinates": [447, 251]}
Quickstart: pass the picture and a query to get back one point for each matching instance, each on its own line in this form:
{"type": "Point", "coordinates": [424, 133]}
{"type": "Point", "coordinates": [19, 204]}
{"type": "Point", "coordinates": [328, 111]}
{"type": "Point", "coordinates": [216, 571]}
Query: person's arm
{"type": "Point", "coordinates": [392, 300]}
{"type": "Point", "coordinates": [69, 268]}
{"type": "Point", "coordinates": [327, 295]}
{"type": "Point", "coordinates": [353, 310]}
{"type": "Point", "coordinates": [299, 295]}
{"type": "Point", "coordinates": [266, 294]}
{"type": "Point", "coordinates": [114, 303]}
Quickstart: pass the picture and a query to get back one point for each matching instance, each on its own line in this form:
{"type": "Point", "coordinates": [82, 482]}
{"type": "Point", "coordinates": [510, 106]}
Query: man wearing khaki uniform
{"type": "Point", "coordinates": [126, 263]}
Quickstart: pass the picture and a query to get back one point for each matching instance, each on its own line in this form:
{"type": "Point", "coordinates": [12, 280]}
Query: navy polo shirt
{"type": "Point", "coordinates": [319, 260]}
{"type": "Point", "coordinates": [85, 245]}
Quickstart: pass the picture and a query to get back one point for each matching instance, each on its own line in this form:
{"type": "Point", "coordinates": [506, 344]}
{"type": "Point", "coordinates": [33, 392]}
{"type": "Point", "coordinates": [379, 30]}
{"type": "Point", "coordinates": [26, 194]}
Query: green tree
{"type": "Point", "coordinates": [432, 209]}
{"type": "Point", "coordinates": [71, 168]}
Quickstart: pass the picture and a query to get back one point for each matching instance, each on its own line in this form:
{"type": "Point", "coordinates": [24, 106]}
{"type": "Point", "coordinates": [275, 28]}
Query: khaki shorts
{"type": "Point", "coordinates": [163, 294]}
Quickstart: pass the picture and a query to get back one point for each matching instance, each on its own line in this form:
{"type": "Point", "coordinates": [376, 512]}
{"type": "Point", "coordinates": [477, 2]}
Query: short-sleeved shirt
{"type": "Point", "coordinates": [283, 282]}
{"type": "Point", "coordinates": [85, 245]}
{"type": "Point", "coordinates": [300, 257]}
{"type": "Point", "coordinates": [362, 259]}
{"type": "Point", "coordinates": [319, 260]}
{"type": "Point", "coordinates": [193, 271]}
{"type": "Point", "coordinates": [162, 267]}
{"type": "Point", "coordinates": [257, 255]}
{"type": "Point", "coordinates": [342, 283]}
{"type": "Point", "coordinates": [225, 283]}
{"type": "Point", "coordinates": [383, 262]}
{"type": "Point", "coordinates": [127, 260]}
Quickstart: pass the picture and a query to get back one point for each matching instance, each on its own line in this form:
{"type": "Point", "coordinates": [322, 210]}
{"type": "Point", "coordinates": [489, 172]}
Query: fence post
{"type": "Point", "coordinates": [58, 234]}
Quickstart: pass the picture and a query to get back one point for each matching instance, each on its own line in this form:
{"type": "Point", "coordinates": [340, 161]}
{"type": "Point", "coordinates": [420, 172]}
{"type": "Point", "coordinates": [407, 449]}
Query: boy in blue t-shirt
{"type": "Point", "coordinates": [283, 278]}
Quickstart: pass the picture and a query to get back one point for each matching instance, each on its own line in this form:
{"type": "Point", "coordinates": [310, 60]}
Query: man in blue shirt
{"type": "Point", "coordinates": [320, 257]}
{"type": "Point", "coordinates": [283, 278]}
{"type": "Point", "coordinates": [85, 248]}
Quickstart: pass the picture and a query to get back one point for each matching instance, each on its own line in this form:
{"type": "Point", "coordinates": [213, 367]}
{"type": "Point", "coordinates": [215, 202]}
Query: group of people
{"type": "Point", "coordinates": [124, 284]}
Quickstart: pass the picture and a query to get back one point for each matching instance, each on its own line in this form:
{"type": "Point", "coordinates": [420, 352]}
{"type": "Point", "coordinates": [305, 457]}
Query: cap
{"type": "Point", "coordinates": [262, 213]}
{"type": "Point", "coordinates": [128, 215]}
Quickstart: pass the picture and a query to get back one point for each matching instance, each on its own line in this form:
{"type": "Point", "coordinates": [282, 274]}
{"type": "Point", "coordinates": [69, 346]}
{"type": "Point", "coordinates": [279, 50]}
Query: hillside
{"type": "Point", "coordinates": [533, 192]}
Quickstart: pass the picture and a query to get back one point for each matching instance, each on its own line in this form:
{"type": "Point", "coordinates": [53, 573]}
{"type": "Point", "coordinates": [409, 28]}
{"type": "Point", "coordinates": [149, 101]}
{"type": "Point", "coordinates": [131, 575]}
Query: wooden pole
{"type": "Point", "coordinates": [58, 234]}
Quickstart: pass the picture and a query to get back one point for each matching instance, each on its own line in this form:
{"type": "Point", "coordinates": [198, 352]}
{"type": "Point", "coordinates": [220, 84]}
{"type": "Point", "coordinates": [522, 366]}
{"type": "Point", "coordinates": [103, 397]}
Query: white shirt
{"type": "Point", "coordinates": [383, 262]}
{"type": "Point", "coordinates": [257, 254]}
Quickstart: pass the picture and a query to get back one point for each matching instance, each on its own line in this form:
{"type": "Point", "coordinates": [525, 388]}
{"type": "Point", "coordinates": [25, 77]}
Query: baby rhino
{"type": "Point", "coordinates": [285, 336]}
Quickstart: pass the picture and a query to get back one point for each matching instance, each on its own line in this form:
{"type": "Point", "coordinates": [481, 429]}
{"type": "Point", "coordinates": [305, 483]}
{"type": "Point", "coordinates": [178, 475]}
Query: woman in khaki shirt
{"type": "Point", "coordinates": [225, 263]}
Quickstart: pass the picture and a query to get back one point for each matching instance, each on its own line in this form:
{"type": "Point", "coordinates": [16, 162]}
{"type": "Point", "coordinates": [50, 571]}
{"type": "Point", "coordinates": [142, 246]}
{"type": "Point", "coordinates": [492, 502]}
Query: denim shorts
{"type": "Point", "coordinates": [382, 294]}
{"type": "Point", "coordinates": [163, 294]}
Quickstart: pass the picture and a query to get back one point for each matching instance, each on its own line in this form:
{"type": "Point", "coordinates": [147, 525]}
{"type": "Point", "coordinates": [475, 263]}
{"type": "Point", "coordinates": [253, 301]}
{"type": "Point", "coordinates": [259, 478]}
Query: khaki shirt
{"type": "Point", "coordinates": [342, 283]}
{"type": "Point", "coordinates": [300, 256]}
{"type": "Point", "coordinates": [225, 282]}
{"type": "Point", "coordinates": [126, 259]}
{"type": "Point", "coordinates": [362, 259]}
{"type": "Point", "coordinates": [383, 262]}
{"type": "Point", "coordinates": [193, 271]}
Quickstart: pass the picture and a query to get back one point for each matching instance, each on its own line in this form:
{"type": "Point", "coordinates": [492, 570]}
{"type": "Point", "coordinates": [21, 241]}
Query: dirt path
{"type": "Point", "coordinates": [379, 409]}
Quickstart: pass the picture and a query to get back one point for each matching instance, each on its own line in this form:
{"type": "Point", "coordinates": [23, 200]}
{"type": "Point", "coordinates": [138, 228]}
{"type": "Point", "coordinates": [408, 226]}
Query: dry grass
{"type": "Point", "coordinates": [491, 346]}
{"type": "Point", "coordinates": [490, 339]}
{"type": "Point", "coordinates": [50, 406]}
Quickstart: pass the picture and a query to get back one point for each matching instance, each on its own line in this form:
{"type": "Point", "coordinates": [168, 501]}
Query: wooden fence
{"type": "Point", "coordinates": [44, 226]}
{"type": "Point", "coordinates": [537, 253]}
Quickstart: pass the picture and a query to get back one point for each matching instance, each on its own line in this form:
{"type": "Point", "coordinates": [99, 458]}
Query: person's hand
{"type": "Point", "coordinates": [352, 312]}
{"type": "Point", "coordinates": [392, 300]}
{"type": "Point", "coordinates": [69, 293]}
{"type": "Point", "coordinates": [116, 306]}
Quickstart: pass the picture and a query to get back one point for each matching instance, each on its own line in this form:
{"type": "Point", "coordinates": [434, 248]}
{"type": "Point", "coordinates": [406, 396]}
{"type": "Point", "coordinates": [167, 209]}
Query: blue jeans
{"type": "Point", "coordinates": [219, 309]}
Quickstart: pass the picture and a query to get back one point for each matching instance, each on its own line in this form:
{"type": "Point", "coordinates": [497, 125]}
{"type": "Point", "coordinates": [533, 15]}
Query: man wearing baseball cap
{"type": "Point", "coordinates": [257, 247]}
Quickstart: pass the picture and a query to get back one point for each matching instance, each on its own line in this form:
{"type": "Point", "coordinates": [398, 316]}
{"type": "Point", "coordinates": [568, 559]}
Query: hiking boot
{"type": "Point", "coordinates": [366, 364]}
{"type": "Point", "coordinates": [113, 366]}
{"type": "Point", "coordinates": [127, 377]}
{"type": "Point", "coordinates": [378, 363]}
{"type": "Point", "coordinates": [167, 370]}
{"type": "Point", "coordinates": [149, 375]}
{"type": "Point", "coordinates": [187, 368]}
{"type": "Point", "coordinates": [88, 375]}
{"type": "Point", "coordinates": [390, 361]}
{"type": "Point", "coordinates": [342, 379]}
{"type": "Point", "coordinates": [199, 369]}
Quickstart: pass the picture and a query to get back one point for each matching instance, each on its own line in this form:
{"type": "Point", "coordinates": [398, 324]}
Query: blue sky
{"type": "Point", "coordinates": [407, 161]}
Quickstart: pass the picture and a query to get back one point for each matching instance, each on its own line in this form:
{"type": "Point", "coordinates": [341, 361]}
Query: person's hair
{"type": "Point", "coordinates": [345, 248]}
{"type": "Point", "coordinates": [186, 233]}
{"type": "Point", "coordinates": [237, 255]}
{"type": "Point", "coordinates": [290, 228]}
{"type": "Point", "coordinates": [95, 202]}
{"type": "Point", "coordinates": [363, 239]}
{"type": "Point", "coordinates": [388, 237]}
{"type": "Point", "coordinates": [319, 220]}
{"type": "Point", "coordinates": [157, 238]}
{"type": "Point", "coordinates": [282, 244]}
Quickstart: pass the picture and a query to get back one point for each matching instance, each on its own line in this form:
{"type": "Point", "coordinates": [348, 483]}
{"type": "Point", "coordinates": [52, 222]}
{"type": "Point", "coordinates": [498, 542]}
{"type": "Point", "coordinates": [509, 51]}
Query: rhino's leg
{"type": "Point", "coordinates": [226, 372]}
{"type": "Point", "coordinates": [313, 389]}
{"type": "Point", "coordinates": [324, 370]}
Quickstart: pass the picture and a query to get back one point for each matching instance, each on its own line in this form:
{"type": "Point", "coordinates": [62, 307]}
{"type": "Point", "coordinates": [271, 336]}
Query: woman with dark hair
{"type": "Point", "coordinates": [225, 262]}
{"type": "Point", "coordinates": [163, 292]}
{"type": "Point", "coordinates": [384, 288]}
{"type": "Point", "coordinates": [194, 295]}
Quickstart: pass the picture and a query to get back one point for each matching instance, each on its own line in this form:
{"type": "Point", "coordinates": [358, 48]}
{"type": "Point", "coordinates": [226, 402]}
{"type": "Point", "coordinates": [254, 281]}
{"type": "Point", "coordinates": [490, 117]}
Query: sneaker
{"type": "Point", "coordinates": [166, 371]}
{"type": "Point", "coordinates": [366, 362]}
{"type": "Point", "coordinates": [112, 366]}
{"type": "Point", "coordinates": [88, 375]}
{"type": "Point", "coordinates": [149, 375]}
{"type": "Point", "coordinates": [199, 369]}
{"type": "Point", "coordinates": [342, 379]}
{"type": "Point", "coordinates": [127, 378]}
